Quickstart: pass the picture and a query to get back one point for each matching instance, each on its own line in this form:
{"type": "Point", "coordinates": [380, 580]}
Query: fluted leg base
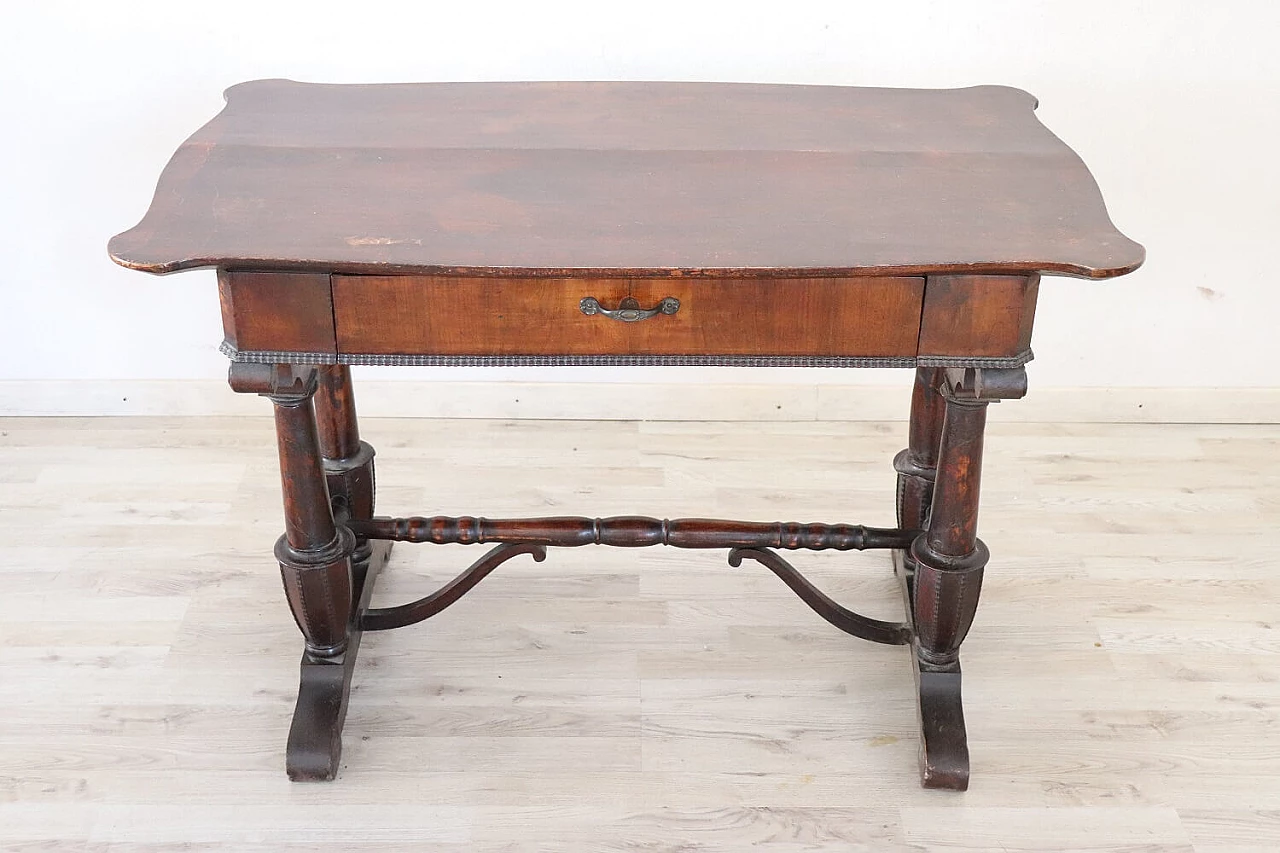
{"type": "Point", "coordinates": [315, 737]}
{"type": "Point", "coordinates": [944, 743]}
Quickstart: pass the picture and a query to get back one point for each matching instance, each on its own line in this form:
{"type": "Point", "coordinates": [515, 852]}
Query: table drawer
{"type": "Point", "coordinates": [439, 315]}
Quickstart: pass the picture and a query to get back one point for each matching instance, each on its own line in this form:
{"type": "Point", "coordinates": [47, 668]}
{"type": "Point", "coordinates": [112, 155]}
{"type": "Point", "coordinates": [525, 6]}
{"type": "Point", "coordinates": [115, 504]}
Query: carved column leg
{"type": "Point", "coordinates": [314, 553]}
{"type": "Point", "coordinates": [917, 465]}
{"type": "Point", "coordinates": [943, 571]}
{"type": "Point", "coordinates": [348, 461]}
{"type": "Point", "coordinates": [315, 564]}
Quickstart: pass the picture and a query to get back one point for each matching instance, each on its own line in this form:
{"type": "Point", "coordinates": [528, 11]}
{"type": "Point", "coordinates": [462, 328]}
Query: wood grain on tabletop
{"type": "Point", "coordinates": [624, 179]}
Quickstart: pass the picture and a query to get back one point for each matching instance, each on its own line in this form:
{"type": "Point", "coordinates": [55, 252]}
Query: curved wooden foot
{"type": "Point", "coordinates": [315, 737]}
{"type": "Point", "coordinates": [944, 743]}
{"type": "Point", "coordinates": [385, 618]}
{"type": "Point", "coordinates": [889, 633]}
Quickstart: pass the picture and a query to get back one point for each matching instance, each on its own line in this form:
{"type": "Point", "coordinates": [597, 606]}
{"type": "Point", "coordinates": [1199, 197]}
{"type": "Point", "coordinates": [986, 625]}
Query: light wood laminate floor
{"type": "Point", "coordinates": [1122, 678]}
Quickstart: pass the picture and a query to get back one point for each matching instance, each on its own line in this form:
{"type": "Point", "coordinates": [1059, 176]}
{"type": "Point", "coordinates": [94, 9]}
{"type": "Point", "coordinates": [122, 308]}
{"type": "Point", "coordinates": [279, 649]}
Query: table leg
{"type": "Point", "coordinates": [941, 574]}
{"type": "Point", "coordinates": [348, 461]}
{"type": "Point", "coordinates": [324, 593]}
{"type": "Point", "coordinates": [947, 563]}
{"type": "Point", "coordinates": [314, 553]}
{"type": "Point", "coordinates": [917, 466]}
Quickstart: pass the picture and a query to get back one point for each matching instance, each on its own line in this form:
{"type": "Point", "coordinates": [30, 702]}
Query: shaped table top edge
{"type": "Point", "coordinates": [134, 248]}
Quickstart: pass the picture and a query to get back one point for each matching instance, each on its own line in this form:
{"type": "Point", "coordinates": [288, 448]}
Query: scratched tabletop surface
{"type": "Point", "coordinates": [636, 179]}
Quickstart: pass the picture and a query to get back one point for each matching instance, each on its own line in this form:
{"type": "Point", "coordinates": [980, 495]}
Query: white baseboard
{"type": "Point", "coordinates": [638, 401]}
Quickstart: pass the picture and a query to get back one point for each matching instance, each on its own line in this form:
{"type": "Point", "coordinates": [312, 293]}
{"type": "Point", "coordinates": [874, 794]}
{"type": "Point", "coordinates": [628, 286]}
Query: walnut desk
{"type": "Point", "coordinates": [625, 224]}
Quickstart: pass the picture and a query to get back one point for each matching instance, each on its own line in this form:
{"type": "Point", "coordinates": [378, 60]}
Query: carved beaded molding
{"type": "Point", "coordinates": [273, 357]}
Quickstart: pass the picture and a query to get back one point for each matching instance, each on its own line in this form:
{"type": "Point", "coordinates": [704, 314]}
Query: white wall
{"type": "Point", "coordinates": [1172, 104]}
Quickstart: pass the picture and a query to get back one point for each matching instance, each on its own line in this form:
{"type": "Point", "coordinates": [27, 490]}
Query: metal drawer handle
{"type": "Point", "coordinates": [629, 310]}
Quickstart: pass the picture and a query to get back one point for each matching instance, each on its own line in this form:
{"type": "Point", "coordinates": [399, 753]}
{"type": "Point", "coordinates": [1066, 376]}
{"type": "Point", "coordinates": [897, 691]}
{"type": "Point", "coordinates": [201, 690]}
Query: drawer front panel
{"type": "Point", "coordinates": [439, 315]}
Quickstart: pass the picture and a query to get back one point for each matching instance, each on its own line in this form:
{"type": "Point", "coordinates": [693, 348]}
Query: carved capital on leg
{"type": "Point", "coordinates": [990, 384]}
{"type": "Point", "coordinates": [288, 382]}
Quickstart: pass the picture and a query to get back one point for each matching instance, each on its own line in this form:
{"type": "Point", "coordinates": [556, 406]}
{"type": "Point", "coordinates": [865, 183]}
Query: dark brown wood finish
{"type": "Point", "coordinates": [328, 575]}
{"type": "Point", "coordinates": [917, 465]}
{"type": "Point", "coordinates": [471, 316]}
{"type": "Point", "coordinates": [747, 540]}
{"type": "Point", "coordinates": [459, 221]}
{"type": "Point", "coordinates": [382, 619]}
{"type": "Point", "coordinates": [949, 559]}
{"type": "Point", "coordinates": [336, 413]}
{"type": "Point", "coordinates": [308, 521]}
{"type": "Point", "coordinates": [633, 531]}
{"type": "Point", "coordinates": [854, 624]}
{"type": "Point", "coordinates": [347, 461]}
{"type": "Point", "coordinates": [279, 312]}
{"type": "Point", "coordinates": [314, 747]}
{"type": "Point", "coordinates": [388, 618]}
{"type": "Point", "coordinates": [627, 179]}
{"type": "Point", "coordinates": [972, 315]}
{"type": "Point", "coordinates": [944, 749]}
{"type": "Point", "coordinates": [942, 571]}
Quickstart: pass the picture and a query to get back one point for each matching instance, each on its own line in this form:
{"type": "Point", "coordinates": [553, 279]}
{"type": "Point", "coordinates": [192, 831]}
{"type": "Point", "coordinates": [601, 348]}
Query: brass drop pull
{"type": "Point", "coordinates": [629, 310]}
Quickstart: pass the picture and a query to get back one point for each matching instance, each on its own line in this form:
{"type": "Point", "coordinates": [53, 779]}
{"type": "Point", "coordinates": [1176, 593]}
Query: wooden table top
{"type": "Point", "coordinates": [628, 179]}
